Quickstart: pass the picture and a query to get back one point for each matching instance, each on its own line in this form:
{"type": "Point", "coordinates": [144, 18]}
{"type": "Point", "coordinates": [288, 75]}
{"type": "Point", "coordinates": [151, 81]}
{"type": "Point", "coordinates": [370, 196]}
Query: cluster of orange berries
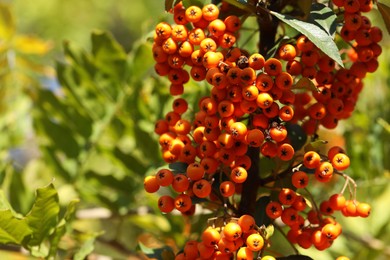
{"type": "Point", "coordinates": [251, 103]}
{"type": "Point", "coordinates": [240, 237]}
{"type": "Point", "coordinates": [316, 226]}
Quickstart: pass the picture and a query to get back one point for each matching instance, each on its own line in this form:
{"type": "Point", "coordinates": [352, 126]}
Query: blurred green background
{"type": "Point", "coordinates": [93, 135]}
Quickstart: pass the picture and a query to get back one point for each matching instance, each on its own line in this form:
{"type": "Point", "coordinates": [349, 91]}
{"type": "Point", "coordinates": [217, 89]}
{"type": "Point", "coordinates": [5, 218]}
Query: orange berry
{"type": "Point", "coordinates": [340, 161]}
{"type": "Point", "coordinates": [273, 209]}
{"type": "Point", "coordinates": [287, 52]}
{"type": "Point", "coordinates": [232, 231]}
{"type": "Point", "coordinates": [247, 223]}
{"type": "Point", "coordinates": [164, 177]}
{"type": "Point", "coordinates": [193, 14]}
{"type": "Point", "coordinates": [180, 183]}
{"type": "Point", "coordinates": [238, 174]}
{"type": "Point", "coordinates": [227, 188]}
{"type": "Point", "coordinates": [201, 188]}
{"type": "Point", "coordinates": [210, 12]}
{"type": "Point", "coordinates": [299, 179]}
{"type": "Point", "coordinates": [166, 203]}
{"type": "Point", "coordinates": [151, 184]}
{"type": "Point", "coordinates": [273, 66]}
{"type": "Point", "coordinates": [255, 242]}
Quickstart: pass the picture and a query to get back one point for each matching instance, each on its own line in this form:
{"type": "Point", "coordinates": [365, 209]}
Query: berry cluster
{"type": "Point", "coordinates": [315, 226]}
{"type": "Point", "coordinates": [240, 235]}
{"type": "Point", "coordinates": [253, 100]}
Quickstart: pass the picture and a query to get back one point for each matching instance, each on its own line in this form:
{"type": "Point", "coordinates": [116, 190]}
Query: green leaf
{"type": "Point", "coordinates": [44, 214]}
{"type": "Point", "coordinates": [296, 135]}
{"type": "Point", "coordinates": [241, 4]}
{"type": "Point", "coordinates": [385, 13]}
{"type": "Point", "coordinates": [260, 215]}
{"type": "Point", "coordinates": [55, 238]}
{"type": "Point", "coordinates": [178, 167]}
{"type": "Point", "coordinates": [109, 56]}
{"type": "Point", "coordinates": [188, 3]}
{"type": "Point", "coordinates": [315, 145]}
{"type": "Point", "coordinates": [85, 249]}
{"type": "Point", "coordinates": [269, 231]}
{"type": "Point", "coordinates": [13, 230]}
{"type": "Point", "coordinates": [4, 203]}
{"type": "Point", "coordinates": [163, 253]}
{"type": "Point", "coordinates": [315, 34]}
{"type": "Point", "coordinates": [60, 136]}
{"type": "Point", "coordinates": [71, 210]}
{"type": "Point", "coordinates": [324, 17]}
{"type": "Point", "coordinates": [129, 161]}
{"type": "Point", "coordinates": [141, 62]}
{"type": "Point", "coordinates": [305, 83]}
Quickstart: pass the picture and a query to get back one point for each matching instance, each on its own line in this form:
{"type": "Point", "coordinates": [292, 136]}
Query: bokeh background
{"type": "Point", "coordinates": [77, 107]}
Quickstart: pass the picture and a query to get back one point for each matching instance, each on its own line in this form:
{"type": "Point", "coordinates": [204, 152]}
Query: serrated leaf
{"type": "Point", "coordinates": [385, 13]}
{"type": "Point", "coordinates": [44, 214]}
{"type": "Point", "coordinates": [324, 17]}
{"type": "Point", "coordinates": [13, 230]}
{"type": "Point", "coordinates": [315, 34]}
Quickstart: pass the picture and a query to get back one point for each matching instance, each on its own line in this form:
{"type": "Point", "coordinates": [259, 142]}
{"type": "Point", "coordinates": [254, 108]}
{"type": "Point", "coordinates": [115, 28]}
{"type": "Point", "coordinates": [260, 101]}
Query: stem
{"type": "Point", "coordinates": [251, 185]}
{"type": "Point", "coordinates": [267, 26]}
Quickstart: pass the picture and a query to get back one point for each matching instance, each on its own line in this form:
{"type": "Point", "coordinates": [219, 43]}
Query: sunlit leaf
{"type": "Point", "coordinates": [324, 17]}
{"type": "Point", "coordinates": [315, 34]}
{"type": "Point", "coordinates": [44, 214]}
{"type": "Point", "coordinates": [385, 12]}
{"type": "Point", "coordinates": [31, 45]}
{"type": "Point", "coordinates": [13, 230]}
